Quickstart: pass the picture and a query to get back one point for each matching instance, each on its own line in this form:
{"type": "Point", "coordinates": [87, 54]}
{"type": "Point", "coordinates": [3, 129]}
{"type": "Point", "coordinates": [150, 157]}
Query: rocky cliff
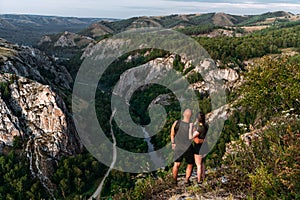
{"type": "Point", "coordinates": [32, 110]}
{"type": "Point", "coordinates": [33, 64]}
{"type": "Point", "coordinates": [157, 68]}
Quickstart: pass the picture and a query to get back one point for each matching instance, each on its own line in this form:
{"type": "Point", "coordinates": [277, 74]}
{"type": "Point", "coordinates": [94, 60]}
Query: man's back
{"type": "Point", "coordinates": [182, 135]}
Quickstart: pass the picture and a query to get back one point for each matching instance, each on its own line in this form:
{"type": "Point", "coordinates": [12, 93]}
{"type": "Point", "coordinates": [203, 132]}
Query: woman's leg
{"type": "Point", "coordinates": [203, 167]}
{"type": "Point", "coordinates": [198, 161]}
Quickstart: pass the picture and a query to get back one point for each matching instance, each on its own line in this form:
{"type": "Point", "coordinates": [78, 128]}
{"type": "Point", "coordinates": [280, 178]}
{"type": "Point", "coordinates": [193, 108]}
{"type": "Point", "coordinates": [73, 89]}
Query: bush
{"type": "Point", "coordinates": [271, 86]}
{"type": "Point", "coordinates": [17, 142]}
{"type": "Point", "coordinates": [5, 90]}
{"type": "Point", "coordinates": [270, 165]}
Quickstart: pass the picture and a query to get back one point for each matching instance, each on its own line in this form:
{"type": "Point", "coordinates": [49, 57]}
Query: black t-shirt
{"type": "Point", "coordinates": [182, 140]}
{"type": "Point", "coordinates": [202, 129]}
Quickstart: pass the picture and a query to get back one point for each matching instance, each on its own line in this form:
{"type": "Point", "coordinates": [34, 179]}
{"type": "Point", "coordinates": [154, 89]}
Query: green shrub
{"type": "Point", "coordinates": [271, 86]}
{"type": "Point", "coordinates": [17, 142]}
{"type": "Point", "coordinates": [270, 166]}
{"type": "Point", "coordinates": [5, 90]}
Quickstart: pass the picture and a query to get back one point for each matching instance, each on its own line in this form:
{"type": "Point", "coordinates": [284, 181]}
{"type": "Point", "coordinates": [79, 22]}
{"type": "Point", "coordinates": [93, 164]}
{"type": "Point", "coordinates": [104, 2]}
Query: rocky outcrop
{"type": "Point", "coordinates": [65, 40]}
{"type": "Point", "coordinates": [33, 64]}
{"type": "Point", "coordinates": [158, 68]}
{"type": "Point", "coordinates": [255, 132]}
{"type": "Point", "coordinates": [44, 39]}
{"type": "Point", "coordinates": [65, 46]}
{"type": "Point", "coordinates": [220, 113]}
{"type": "Point", "coordinates": [229, 77]}
{"type": "Point", "coordinates": [142, 75]}
{"type": "Point", "coordinates": [32, 109]}
{"type": "Point", "coordinates": [9, 125]}
{"type": "Point", "coordinates": [37, 114]}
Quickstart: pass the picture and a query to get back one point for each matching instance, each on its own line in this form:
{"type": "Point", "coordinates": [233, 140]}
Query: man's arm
{"type": "Point", "coordinates": [173, 134]}
{"type": "Point", "coordinates": [191, 130]}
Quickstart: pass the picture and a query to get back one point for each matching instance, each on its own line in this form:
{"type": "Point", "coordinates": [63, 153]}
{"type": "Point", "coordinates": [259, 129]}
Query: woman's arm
{"type": "Point", "coordinates": [197, 140]}
{"type": "Point", "coordinates": [195, 134]}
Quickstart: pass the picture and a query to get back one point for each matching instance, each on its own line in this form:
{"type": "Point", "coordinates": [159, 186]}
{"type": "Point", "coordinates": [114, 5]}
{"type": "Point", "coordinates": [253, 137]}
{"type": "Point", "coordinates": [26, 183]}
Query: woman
{"type": "Point", "coordinates": [200, 145]}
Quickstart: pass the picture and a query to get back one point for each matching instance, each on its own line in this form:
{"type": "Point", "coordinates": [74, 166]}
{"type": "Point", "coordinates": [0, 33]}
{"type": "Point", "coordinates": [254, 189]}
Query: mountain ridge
{"type": "Point", "coordinates": [37, 93]}
{"type": "Point", "coordinates": [176, 21]}
{"type": "Point", "coordinates": [15, 28]}
{"type": "Point", "coordinates": [28, 29]}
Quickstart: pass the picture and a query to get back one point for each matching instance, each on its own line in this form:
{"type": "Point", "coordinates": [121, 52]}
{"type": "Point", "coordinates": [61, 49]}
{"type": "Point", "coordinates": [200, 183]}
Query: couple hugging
{"type": "Point", "coordinates": [187, 140]}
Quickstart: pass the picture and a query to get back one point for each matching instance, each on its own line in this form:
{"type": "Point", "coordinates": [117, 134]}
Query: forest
{"type": "Point", "coordinates": [271, 83]}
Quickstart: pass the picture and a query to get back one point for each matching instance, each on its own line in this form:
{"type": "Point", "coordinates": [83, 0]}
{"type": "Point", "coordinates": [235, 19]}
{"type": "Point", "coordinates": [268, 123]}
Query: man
{"type": "Point", "coordinates": [182, 145]}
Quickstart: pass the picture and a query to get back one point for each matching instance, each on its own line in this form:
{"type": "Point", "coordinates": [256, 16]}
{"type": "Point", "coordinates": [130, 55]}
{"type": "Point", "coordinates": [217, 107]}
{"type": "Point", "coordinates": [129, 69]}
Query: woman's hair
{"type": "Point", "coordinates": [200, 117]}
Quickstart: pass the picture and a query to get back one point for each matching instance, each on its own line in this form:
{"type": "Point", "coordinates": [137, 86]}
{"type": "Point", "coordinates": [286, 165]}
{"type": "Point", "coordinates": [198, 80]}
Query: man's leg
{"type": "Point", "coordinates": [189, 156]}
{"type": "Point", "coordinates": [175, 170]}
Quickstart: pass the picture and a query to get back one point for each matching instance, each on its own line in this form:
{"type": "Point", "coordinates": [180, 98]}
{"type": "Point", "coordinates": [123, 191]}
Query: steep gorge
{"type": "Point", "coordinates": [33, 112]}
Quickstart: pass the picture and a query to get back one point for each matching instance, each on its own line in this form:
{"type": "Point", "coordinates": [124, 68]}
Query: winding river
{"type": "Point", "coordinates": [156, 160]}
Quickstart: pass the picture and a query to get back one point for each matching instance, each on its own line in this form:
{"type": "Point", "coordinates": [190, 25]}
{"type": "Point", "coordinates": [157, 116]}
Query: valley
{"type": "Point", "coordinates": [257, 59]}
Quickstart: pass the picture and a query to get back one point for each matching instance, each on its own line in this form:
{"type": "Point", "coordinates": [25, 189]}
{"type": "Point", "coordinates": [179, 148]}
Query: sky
{"type": "Point", "coordinates": [130, 8]}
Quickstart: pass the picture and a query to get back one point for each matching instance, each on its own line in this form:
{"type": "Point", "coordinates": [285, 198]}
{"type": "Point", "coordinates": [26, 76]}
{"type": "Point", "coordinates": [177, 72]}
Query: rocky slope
{"type": "Point", "coordinates": [157, 67]}
{"type": "Point", "coordinates": [212, 21]}
{"type": "Point", "coordinates": [184, 21]}
{"type": "Point", "coordinates": [28, 29]}
{"type": "Point", "coordinates": [34, 64]}
{"type": "Point", "coordinates": [64, 46]}
{"type": "Point", "coordinates": [32, 110]}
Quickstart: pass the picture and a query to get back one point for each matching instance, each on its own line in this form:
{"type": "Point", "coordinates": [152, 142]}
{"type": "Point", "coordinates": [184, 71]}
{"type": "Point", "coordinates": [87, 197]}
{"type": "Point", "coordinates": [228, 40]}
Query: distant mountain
{"type": "Point", "coordinates": [98, 29]}
{"type": "Point", "coordinates": [69, 46]}
{"type": "Point", "coordinates": [202, 23]}
{"type": "Point", "coordinates": [28, 29]}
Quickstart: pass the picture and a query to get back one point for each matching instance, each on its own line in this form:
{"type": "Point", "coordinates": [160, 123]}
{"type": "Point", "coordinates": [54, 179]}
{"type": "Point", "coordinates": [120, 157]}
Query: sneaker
{"type": "Point", "coordinates": [174, 182]}
{"type": "Point", "coordinates": [188, 183]}
{"type": "Point", "coordinates": [199, 183]}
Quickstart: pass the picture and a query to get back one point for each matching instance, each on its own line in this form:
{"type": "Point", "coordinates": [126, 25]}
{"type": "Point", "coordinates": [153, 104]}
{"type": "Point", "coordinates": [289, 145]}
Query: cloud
{"type": "Point", "coordinates": [129, 8]}
{"type": "Point", "coordinates": [238, 1]}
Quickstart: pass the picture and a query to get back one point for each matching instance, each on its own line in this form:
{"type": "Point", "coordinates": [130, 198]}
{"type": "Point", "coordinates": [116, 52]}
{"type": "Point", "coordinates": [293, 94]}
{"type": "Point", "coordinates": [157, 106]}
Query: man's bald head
{"type": "Point", "coordinates": [187, 114]}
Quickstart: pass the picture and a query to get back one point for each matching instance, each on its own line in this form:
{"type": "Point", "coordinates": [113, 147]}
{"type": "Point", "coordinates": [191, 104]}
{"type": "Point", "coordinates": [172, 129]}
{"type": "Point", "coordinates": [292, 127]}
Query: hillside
{"type": "Point", "coordinates": [189, 21]}
{"type": "Point", "coordinates": [42, 157]}
{"type": "Point", "coordinates": [36, 126]}
{"type": "Point", "coordinates": [28, 29]}
{"type": "Point", "coordinates": [209, 24]}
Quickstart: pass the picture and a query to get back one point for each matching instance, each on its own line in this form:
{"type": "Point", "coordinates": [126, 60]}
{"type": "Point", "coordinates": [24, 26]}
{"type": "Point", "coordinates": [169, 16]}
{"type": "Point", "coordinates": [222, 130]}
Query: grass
{"type": "Point", "coordinates": [5, 52]}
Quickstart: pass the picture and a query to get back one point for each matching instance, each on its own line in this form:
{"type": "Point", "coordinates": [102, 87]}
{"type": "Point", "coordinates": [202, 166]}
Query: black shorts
{"type": "Point", "coordinates": [188, 155]}
{"type": "Point", "coordinates": [201, 149]}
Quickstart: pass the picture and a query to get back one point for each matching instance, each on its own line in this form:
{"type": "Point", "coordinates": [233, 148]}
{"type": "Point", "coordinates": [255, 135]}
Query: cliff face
{"type": "Point", "coordinates": [33, 64]}
{"type": "Point", "coordinates": [159, 67]}
{"type": "Point", "coordinates": [65, 45]}
{"type": "Point", "coordinates": [32, 110]}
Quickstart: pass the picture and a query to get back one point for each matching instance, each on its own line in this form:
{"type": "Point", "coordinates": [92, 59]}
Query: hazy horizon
{"type": "Point", "coordinates": [130, 8]}
{"type": "Point", "coordinates": [115, 18]}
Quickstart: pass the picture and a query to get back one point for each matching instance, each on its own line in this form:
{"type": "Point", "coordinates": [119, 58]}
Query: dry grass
{"type": "Point", "coordinates": [223, 19]}
{"type": "Point", "coordinates": [5, 52]}
{"type": "Point", "coordinates": [271, 20]}
{"type": "Point", "coordinates": [250, 29]}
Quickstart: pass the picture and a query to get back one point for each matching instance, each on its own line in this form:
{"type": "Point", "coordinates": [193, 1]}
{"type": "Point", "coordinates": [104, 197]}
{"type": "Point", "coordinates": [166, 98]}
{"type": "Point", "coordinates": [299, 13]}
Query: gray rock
{"type": "Point", "coordinates": [33, 64]}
